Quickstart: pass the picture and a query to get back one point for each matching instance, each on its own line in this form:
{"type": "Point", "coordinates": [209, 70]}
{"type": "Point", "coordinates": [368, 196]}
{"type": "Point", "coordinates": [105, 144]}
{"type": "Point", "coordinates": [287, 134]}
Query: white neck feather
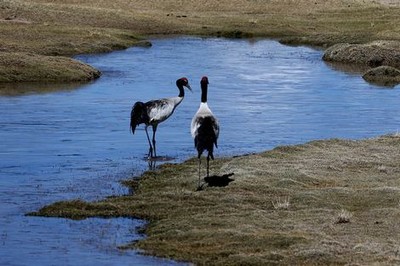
{"type": "Point", "coordinates": [177, 100]}
{"type": "Point", "coordinates": [204, 109]}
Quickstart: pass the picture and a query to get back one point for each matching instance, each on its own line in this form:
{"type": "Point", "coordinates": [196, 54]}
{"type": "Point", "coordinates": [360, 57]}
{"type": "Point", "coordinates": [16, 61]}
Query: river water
{"type": "Point", "coordinates": [70, 144]}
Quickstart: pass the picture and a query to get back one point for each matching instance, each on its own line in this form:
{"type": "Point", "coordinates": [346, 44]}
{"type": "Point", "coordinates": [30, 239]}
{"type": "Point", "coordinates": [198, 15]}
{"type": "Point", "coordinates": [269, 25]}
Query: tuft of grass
{"type": "Point", "coordinates": [281, 203]}
{"type": "Point", "coordinates": [343, 216]}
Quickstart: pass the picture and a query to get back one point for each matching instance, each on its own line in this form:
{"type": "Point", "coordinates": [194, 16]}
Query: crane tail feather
{"type": "Point", "coordinates": [138, 115]}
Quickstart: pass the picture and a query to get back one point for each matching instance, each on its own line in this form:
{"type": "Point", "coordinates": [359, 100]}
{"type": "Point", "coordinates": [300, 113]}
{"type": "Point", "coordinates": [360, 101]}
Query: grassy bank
{"type": "Point", "coordinates": [55, 68]}
{"type": "Point", "coordinates": [52, 27]}
{"type": "Point", "coordinates": [317, 22]}
{"type": "Point", "coordinates": [323, 202]}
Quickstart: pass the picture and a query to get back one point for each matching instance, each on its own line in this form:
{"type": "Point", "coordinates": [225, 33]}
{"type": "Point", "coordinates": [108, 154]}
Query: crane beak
{"type": "Point", "coordinates": [188, 86]}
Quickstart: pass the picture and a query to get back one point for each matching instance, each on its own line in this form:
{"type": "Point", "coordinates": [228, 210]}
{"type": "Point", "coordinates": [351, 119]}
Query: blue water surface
{"type": "Point", "coordinates": [76, 143]}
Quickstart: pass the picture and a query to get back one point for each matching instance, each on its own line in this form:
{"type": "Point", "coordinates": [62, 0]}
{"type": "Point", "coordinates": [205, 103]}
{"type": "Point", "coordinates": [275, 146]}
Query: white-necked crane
{"type": "Point", "coordinates": [156, 111]}
{"type": "Point", "coordinates": [204, 128]}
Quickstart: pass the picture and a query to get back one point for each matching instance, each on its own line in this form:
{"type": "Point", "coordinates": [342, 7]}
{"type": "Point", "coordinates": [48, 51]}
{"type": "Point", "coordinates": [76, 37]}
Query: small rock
{"type": "Point", "coordinates": [383, 75]}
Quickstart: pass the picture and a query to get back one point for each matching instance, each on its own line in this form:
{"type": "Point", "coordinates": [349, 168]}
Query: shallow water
{"type": "Point", "coordinates": [76, 143]}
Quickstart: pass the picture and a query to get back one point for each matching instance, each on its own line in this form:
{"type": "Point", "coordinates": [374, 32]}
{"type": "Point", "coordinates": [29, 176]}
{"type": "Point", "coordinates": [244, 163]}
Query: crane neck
{"type": "Point", "coordinates": [181, 90]}
{"type": "Point", "coordinates": [204, 88]}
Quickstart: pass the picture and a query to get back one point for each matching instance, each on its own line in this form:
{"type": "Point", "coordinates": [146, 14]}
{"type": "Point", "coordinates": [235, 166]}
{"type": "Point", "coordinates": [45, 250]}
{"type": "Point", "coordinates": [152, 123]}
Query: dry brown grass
{"type": "Point", "coordinates": [63, 40]}
{"type": "Point", "coordinates": [309, 21]}
{"type": "Point", "coordinates": [371, 54]}
{"type": "Point", "coordinates": [55, 27]}
{"type": "Point", "coordinates": [238, 225]}
{"type": "Point", "coordinates": [57, 68]}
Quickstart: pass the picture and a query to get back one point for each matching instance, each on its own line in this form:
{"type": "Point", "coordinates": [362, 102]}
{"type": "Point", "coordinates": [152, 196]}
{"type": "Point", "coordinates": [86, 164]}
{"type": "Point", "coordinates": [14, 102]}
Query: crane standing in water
{"type": "Point", "coordinates": [156, 111]}
{"type": "Point", "coordinates": [204, 128]}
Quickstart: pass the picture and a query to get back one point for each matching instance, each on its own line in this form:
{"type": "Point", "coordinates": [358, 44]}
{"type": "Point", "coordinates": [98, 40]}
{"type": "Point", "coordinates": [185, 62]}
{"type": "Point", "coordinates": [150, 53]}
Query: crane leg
{"type": "Point", "coordinates": [208, 165]}
{"type": "Point", "coordinates": [154, 139]}
{"type": "Point", "coordinates": [199, 170]}
{"type": "Point", "coordinates": [150, 155]}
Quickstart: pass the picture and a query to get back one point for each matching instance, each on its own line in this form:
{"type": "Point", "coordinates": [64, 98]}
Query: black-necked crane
{"type": "Point", "coordinates": [154, 112]}
{"type": "Point", "coordinates": [204, 128]}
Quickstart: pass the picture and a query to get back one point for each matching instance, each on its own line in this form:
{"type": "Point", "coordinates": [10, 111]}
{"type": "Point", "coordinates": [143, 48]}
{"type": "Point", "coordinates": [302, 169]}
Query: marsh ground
{"type": "Point", "coordinates": [324, 202]}
{"type": "Point", "coordinates": [66, 28]}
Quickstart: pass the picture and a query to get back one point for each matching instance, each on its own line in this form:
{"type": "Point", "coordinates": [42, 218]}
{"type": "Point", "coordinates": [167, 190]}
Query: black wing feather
{"type": "Point", "coordinates": [206, 137]}
{"type": "Point", "coordinates": [138, 115]}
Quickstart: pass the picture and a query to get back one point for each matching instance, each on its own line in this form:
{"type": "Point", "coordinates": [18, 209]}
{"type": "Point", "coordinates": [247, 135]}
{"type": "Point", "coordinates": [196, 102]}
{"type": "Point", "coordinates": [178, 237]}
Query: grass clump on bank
{"type": "Point", "coordinates": [323, 202]}
{"type": "Point", "coordinates": [37, 53]}
{"type": "Point", "coordinates": [22, 67]}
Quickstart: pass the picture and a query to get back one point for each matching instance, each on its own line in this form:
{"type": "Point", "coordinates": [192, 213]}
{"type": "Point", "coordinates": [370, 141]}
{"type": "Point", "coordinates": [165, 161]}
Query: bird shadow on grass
{"type": "Point", "coordinates": [216, 181]}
